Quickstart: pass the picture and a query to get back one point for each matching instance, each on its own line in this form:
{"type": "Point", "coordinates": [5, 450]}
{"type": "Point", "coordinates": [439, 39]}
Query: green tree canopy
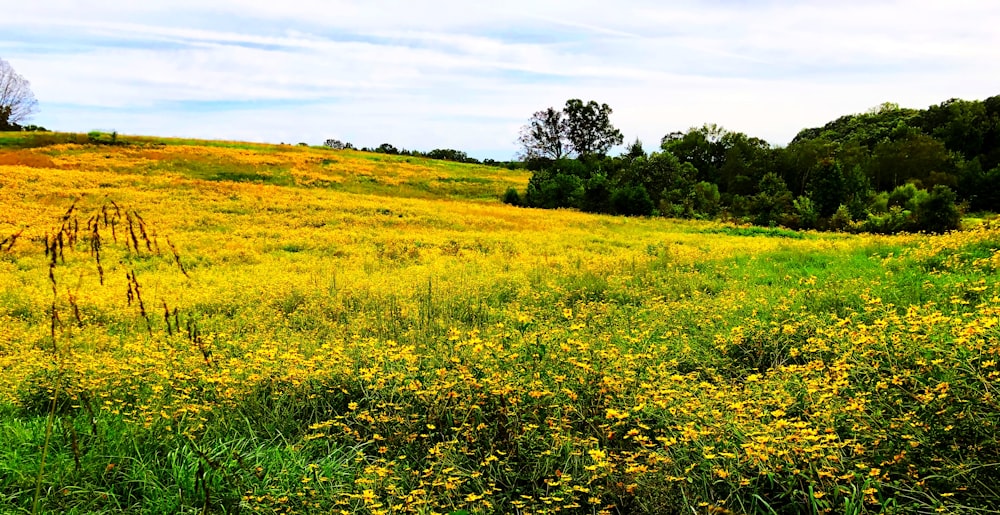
{"type": "Point", "coordinates": [588, 128]}
{"type": "Point", "coordinates": [583, 129]}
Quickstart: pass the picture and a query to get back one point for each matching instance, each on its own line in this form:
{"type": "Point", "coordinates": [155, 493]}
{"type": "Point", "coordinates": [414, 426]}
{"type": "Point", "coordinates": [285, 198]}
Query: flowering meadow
{"type": "Point", "coordinates": [204, 327]}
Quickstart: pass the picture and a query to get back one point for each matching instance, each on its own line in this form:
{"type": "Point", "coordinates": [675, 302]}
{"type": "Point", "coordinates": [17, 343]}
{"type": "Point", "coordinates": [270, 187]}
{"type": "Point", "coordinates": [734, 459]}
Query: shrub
{"type": "Point", "coordinates": [896, 219]}
{"type": "Point", "coordinates": [804, 214]}
{"type": "Point", "coordinates": [773, 202]}
{"type": "Point", "coordinates": [707, 200]}
{"type": "Point", "coordinates": [841, 219]}
{"type": "Point", "coordinates": [102, 138]}
{"type": "Point", "coordinates": [597, 195]}
{"type": "Point", "coordinates": [512, 197]}
{"type": "Point", "coordinates": [632, 201]}
{"type": "Point", "coordinates": [554, 190]}
{"type": "Point", "coordinates": [903, 196]}
{"type": "Point", "coordinates": [936, 211]}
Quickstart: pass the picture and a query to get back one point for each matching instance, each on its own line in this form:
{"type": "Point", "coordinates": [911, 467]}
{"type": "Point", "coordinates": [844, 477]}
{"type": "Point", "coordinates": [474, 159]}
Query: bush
{"type": "Point", "coordinates": [903, 196]}
{"type": "Point", "coordinates": [936, 211]}
{"type": "Point", "coordinates": [511, 197]}
{"type": "Point", "coordinates": [774, 201]}
{"type": "Point", "coordinates": [597, 195]}
{"type": "Point", "coordinates": [554, 190]}
{"type": "Point", "coordinates": [707, 200]}
{"type": "Point", "coordinates": [841, 219]}
{"type": "Point", "coordinates": [896, 219]}
{"type": "Point", "coordinates": [632, 201]}
{"type": "Point", "coordinates": [804, 214]}
{"type": "Point", "coordinates": [879, 204]}
{"type": "Point", "coordinates": [102, 138]}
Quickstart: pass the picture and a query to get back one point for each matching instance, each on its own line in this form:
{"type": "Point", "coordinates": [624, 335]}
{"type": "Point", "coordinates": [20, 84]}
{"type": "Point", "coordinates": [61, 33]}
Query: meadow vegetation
{"type": "Point", "coordinates": [229, 328]}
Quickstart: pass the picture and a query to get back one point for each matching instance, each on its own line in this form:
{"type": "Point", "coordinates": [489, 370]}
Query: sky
{"type": "Point", "coordinates": [468, 75]}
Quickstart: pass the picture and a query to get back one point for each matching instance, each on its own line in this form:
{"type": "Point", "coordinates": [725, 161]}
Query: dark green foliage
{"type": "Point", "coordinates": [797, 162]}
{"type": "Point", "coordinates": [773, 202]}
{"type": "Point", "coordinates": [989, 190]}
{"type": "Point", "coordinates": [732, 160]}
{"type": "Point", "coordinates": [632, 200]}
{"type": "Point", "coordinates": [769, 232]}
{"type": "Point", "coordinates": [841, 219]}
{"type": "Point", "coordinates": [667, 180]}
{"type": "Point", "coordinates": [908, 208]}
{"type": "Point", "coordinates": [588, 128]}
{"type": "Point", "coordinates": [701, 147]}
{"type": "Point", "coordinates": [634, 151]}
{"type": "Point", "coordinates": [597, 195]}
{"type": "Point", "coordinates": [936, 212]}
{"type": "Point", "coordinates": [902, 196]}
{"type": "Point", "coordinates": [962, 126]}
{"type": "Point", "coordinates": [915, 157]}
{"type": "Point", "coordinates": [981, 189]}
{"type": "Point", "coordinates": [537, 164]}
{"type": "Point", "coordinates": [104, 138]}
{"type": "Point", "coordinates": [5, 123]}
{"type": "Point", "coordinates": [858, 191]}
{"type": "Point", "coordinates": [583, 129]}
{"type": "Point", "coordinates": [804, 214]}
{"type": "Point", "coordinates": [893, 220]}
{"type": "Point", "coordinates": [707, 201]}
{"type": "Point", "coordinates": [448, 154]}
{"type": "Point", "coordinates": [828, 189]}
{"type": "Point", "coordinates": [747, 160]}
{"type": "Point", "coordinates": [578, 168]}
{"type": "Point", "coordinates": [387, 148]}
{"type": "Point", "coordinates": [552, 189]}
{"type": "Point", "coordinates": [868, 129]}
{"type": "Point", "coordinates": [870, 172]}
{"type": "Point", "coordinates": [512, 197]}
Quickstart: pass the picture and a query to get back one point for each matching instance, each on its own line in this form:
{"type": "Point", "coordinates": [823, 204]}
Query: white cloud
{"type": "Point", "coordinates": [451, 74]}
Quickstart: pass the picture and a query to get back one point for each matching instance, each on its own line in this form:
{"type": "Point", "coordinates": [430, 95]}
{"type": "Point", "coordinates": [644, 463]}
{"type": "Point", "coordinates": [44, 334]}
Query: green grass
{"type": "Point", "coordinates": [258, 447]}
{"type": "Point", "coordinates": [123, 470]}
{"type": "Point", "coordinates": [19, 140]}
{"type": "Point", "coordinates": [767, 232]}
{"type": "Point", "coordinates": [467, 330]}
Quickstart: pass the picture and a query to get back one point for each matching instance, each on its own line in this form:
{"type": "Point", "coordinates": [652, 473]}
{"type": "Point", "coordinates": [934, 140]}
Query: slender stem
{"type": "Point", "coordinates": [45, 448]}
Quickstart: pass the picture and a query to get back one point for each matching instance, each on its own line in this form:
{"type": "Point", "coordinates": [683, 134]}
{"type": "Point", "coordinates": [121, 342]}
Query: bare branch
{"type": "Point", "coordinates": [17, 102]}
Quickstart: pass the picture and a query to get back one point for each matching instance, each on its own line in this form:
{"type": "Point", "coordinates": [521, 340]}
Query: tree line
{"type": "Point", "coordinates": [887, 170]}
{"type": "Point", "coordinates": [444, 154]}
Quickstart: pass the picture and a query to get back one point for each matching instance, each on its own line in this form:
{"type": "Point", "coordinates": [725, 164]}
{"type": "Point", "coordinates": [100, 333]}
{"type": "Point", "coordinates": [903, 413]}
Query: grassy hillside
{"type": "Point", "coordinates": [230, 328]}
{"type": "Point", "coordinates": [282, 165]}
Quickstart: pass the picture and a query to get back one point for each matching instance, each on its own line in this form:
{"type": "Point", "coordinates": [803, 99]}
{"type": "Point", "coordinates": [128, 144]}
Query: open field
{"type": "Point", "coordinates": [234, 328]}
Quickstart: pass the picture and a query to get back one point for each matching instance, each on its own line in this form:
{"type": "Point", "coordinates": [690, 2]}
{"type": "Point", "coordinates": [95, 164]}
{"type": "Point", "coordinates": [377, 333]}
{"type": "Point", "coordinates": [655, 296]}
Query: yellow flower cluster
{"type": "Point", "coordinates": [472, 356]}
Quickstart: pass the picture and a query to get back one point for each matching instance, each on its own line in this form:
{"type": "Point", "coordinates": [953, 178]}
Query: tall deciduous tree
{"type": "Point", "coordinates": [17, 102]}
{"type": "Point", "coordinates": [544, 136]}
{"type": "Point", "coordinates": [583, 129]}
{"type": "Point", "coordinates": [589, 129]}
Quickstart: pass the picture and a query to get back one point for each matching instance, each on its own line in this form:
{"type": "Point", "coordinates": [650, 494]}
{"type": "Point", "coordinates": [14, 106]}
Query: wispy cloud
{"type": "Point", "coordinates": [447, 74]}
